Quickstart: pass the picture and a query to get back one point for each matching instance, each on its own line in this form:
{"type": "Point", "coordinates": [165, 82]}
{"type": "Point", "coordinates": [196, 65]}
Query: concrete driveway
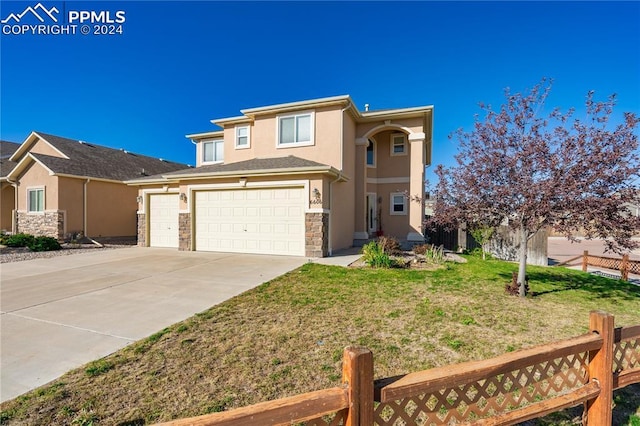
{"type": "Point", "coordinates": [60, 313]}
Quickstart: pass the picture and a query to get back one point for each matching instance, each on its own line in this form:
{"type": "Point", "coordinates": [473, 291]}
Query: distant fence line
{"type": "Point", "coordinates": [504, 390]}
{"type": "Point", "coordinates": [624, 265]}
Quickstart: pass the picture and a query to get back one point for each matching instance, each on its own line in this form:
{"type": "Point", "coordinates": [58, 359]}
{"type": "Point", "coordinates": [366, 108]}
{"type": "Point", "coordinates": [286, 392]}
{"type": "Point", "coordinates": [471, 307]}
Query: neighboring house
{"type": "Point", "coordinates": [66, 186]}
{"type": "Point", "coordinates": [7, 189]}
{"type": "Point", "coordinates": [303, 178]}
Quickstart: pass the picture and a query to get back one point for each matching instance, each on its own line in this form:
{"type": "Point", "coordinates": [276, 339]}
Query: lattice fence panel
{"type": "Point", "coordinates": [605, 262]}
{"type": "Point", "coordinates": [626, 355]}
{"type": "Point", "coordinates": [634, 267]}
{"type": "Point", "coordinates": [484, 398]}
{"type": "Point", "coordinates": [336, 419]}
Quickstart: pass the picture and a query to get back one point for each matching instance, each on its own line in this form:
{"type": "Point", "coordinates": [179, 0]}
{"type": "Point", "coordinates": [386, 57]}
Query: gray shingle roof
{"type": "Point", "coordinates": [254, 164]}
{"type": "Point", "coordinates": [6, 150]}
{"type": "Point", "coordinates": [96, 161]}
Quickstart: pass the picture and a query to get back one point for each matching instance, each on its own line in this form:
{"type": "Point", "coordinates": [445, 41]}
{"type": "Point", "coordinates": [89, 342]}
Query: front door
{"type": "Point", "coordinates": [372, 214]}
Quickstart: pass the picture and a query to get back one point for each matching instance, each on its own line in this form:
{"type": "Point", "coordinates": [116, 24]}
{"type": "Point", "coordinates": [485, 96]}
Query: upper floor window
{"type": "Point", "coordinates": [213, 151]}
{"type": "Point", "coordinates": [398, 144]}
{"type": "Point", "coordinates": [35, 200]}
{"type": "Point", "coordinates": [242, 137]}
{"type": "Point", "coordinates": [371, 153]}
{"type": "Point", "coordinates": [398, 204]}
{"type": "Point", "coordinates": [295, 130]}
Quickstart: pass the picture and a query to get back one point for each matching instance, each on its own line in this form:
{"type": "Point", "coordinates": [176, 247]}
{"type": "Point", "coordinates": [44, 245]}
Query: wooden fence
{"type": "Point", "coordinates": [505, 390]}
{"type": "Point", "coordinates": [624, 265]}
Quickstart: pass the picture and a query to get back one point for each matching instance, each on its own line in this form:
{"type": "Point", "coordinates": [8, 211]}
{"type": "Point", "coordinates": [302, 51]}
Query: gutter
{"type": "Point", "coordinates": [330, 242]}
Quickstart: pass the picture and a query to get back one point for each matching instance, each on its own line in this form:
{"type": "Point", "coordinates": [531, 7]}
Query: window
{"type": "Point", "coordinates": [371, 153]}
{"type": "Point", "coordinates": [242, 137]}
{"type": "Point", "coordinates": [35, 200]}
{"type": "Point", "coordinates": [398, 144]}
{"type": "Point", "coordinates": [295, 130]}
{"type": "Point", "coordinates": [213, 151]}
{"type": "Point", "coordinates": [398, 204]}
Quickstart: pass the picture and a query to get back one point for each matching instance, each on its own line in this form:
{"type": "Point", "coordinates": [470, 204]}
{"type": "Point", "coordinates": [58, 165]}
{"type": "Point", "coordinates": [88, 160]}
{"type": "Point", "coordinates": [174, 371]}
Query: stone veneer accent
{"type": "Point", "coordinates": [184, 231]}
{"type": "Point", "coordinates": [49, 224]}
{"type": "Point", "coordinates": [316, 234]}
{"type": "Point", "coordinates": [142, 230]}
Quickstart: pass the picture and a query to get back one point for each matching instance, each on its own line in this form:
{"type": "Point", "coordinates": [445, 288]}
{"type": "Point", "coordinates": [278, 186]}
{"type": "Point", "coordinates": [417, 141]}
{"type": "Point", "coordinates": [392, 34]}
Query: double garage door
{"type": "Point", "coordinates": [262, 221]}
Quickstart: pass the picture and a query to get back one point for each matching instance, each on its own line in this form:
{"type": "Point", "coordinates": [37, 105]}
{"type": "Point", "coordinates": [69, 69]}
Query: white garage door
{"type": "Point", "coordinates": [263, 221]}
{"type": "Point", "coordinates": [163, 220]}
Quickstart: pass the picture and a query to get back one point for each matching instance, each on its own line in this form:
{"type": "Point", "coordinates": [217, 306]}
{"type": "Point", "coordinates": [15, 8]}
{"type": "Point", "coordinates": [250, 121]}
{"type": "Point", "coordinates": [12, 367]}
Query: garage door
{"type": "Point", "coordinates": [163, 220]}
{"type": "Point", "coordinates": [263, 221]}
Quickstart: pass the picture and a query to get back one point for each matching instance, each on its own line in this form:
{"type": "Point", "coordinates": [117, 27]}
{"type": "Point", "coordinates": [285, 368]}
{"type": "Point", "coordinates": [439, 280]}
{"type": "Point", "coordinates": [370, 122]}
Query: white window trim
{"type": "Point", "coordinates": [404, 204]}
{"type": "Point", "coordinates": [248, 145]}
{"type": "Point", "coordinates": [44, 199]}
{"type": "Point", "coordinates": [312, 130]}
{"type": "Point", "coordinates": [404, 144]}
{"type": "Point", "coordinates": [375, 153]}
{"type": "Point", "coordinates": [212, 141]}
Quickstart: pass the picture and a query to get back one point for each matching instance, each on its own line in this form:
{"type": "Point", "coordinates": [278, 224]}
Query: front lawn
{"type": "Point", "coordinates": [287, 337]}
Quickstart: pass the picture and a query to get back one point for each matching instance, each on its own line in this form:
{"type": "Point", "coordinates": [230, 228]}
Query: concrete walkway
{"type": "Point", "coordinates": [60, 313]}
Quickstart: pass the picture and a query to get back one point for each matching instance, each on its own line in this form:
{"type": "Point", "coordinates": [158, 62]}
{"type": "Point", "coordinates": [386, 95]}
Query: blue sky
{"type": "Point", "coordinates": [178, 65]}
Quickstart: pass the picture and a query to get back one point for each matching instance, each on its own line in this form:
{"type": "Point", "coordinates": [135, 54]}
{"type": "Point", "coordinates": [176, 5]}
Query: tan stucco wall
{"type": "Point", "coordinates": [386, 164]}
{"type": "Point", "coordinates": [111, 209]}
{"type": "Point", "coordinates": [41, 147]}
{"type": "Point", "coordinates": [393, 225]}
{"type": "Point", "coordinates": [7, 201]}
{"type": "Point", "coordinates": [343, 209]}
{"type": "Point", "coordinates": [71, 201]}
{"type": "Point", "coordinates": [263, 140]}
{"type": "Point", "coordinates": [36, 176]}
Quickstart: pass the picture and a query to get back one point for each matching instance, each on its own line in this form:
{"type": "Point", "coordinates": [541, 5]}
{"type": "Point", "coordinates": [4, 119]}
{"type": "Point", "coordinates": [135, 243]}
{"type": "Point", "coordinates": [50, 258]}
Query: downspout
{"type": "Point", "coordinates": [14, 213]}
{"type": "Point", "coordinates": [84, 208]}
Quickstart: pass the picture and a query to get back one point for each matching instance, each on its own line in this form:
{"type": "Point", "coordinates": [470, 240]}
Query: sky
{"type": "Point", "coordinates": [172, 66]}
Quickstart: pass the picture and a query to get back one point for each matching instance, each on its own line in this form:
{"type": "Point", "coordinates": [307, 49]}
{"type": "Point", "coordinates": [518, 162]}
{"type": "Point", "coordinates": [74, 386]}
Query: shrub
{"type": "Point", "coordinates": [389, 245]}
{"type": "Point", "coordinates": [44, 244]}
{"type": "Point", "coordinates": [421, 248]}
{"type": "Point", "coordinates": [373, 255]}
{"type": "Point", "coordinates": [19, 240]}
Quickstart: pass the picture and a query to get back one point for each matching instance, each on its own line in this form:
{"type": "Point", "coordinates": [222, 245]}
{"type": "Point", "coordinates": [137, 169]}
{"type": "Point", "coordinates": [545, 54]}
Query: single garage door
{"type": "Point", "coordinates": [262, 221]}
{"type": "Point", "coordinates": [163, 220]}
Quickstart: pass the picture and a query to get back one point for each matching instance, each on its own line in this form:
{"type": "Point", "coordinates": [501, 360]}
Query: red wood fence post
{"type": "Point", "coordinates": [585, 260]}
{"type": "Point", "coordinates": [600, 369]}
{"type": "Point", "coordinates": [357, 372]}
{"type": "Point", "coordinates": [624, 268]}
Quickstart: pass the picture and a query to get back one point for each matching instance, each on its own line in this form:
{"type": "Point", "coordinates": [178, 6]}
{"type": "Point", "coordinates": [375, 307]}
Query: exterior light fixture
{"type": "Point", "coordinates": [183, 197]}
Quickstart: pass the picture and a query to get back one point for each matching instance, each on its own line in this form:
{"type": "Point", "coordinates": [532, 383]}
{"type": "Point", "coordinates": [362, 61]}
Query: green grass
{"type": "Point", "coordinates": [287, 337]}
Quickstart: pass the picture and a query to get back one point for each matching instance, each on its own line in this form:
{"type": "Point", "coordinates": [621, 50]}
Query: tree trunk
{"type": "Point", "coordinates": [522, 270]}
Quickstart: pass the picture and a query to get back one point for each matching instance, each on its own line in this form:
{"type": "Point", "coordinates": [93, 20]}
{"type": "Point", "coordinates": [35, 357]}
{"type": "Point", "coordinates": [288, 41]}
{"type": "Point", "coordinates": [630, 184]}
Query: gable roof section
{"type": "Point", "coordinates": [7, 149]}
{"type": "Point", "coordinates": [88, 160]}
{"type": "Point", "coordinates": [253, 167]}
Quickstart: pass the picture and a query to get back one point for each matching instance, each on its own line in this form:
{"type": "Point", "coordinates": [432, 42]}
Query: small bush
{"type": "Point", "coordinates": [421, 248]}
{"type": "Point", "coordinates": [44, 244]}
{"type": "Point", "coordinates": [389, 245]}
{"type": "Point", "coordinates": [373, 255]}
{"type": "Point", "coordinates": [19, 240]}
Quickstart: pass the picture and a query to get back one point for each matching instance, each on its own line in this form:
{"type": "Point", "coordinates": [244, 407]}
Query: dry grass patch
{"type": "Point", "coordinates": [287, 336]}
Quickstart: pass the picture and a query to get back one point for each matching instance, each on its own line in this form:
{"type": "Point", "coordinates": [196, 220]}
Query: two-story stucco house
{"type": "Point", "coordinates": [304, 178]}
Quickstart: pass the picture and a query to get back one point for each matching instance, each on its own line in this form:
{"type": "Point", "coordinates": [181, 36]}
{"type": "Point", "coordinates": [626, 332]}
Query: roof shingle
{"type": "Point", "coordinates": [96, 161]}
